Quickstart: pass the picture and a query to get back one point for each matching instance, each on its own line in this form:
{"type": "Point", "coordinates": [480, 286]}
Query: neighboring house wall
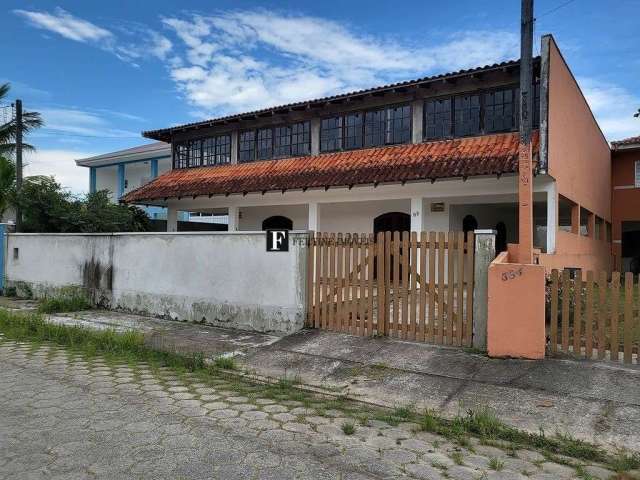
{"type": "Point", "coordinates": [626, 196]}
{"type": "Point", "coordinates": [579, 159]}
{"type": "Point", "coordinates": [200, 277]}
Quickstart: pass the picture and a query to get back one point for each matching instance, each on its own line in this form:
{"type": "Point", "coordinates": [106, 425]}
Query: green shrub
{"type": "Point", "coordinates": [348, 428]}
{"type": "Point", "coordinates": [64, 303]}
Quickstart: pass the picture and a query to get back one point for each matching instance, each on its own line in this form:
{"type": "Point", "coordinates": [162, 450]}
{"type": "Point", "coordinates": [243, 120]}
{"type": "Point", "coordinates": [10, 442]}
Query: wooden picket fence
{"type": "Point", "coordinates": [594, 317]}
{"type": "Point", "coordinates": [400, 285]}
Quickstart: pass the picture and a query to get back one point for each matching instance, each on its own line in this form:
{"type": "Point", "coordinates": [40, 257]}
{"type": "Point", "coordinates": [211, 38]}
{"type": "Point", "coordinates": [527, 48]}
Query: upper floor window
{"type": "Point", "coordinates": [476, 113]}
{"type": "Point", "coordinates": [275, 142]}
{"type": "Point", "coordinates": [437, 118]}
{"type": "Point", "coordinates": [386, 126]}
{"type": "Point", "coordinates": [199, 152]}
{"type": "Point", "coordinates": [500, 110]}
{"type": "Point", "coordinates": [637, 176]}
{"type": "Point", "coordinates": [247, 146]}
{"type": "Point", "coordinates": [216, 150]}
{"type": "Point", "coordinates": [466, 115]}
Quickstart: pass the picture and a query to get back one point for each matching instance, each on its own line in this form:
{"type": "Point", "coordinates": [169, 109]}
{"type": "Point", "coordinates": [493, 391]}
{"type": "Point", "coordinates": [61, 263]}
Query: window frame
{"type": "Point", "coordinates": [342, 116]}
{"type": "Point", "coordinates": [274, 130]}
{"type": "Point", "coordinates": [185, 149]}
{"type": "Point", "coordinates": [482, 92]}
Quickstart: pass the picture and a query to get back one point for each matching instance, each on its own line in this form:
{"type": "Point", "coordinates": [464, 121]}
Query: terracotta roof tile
{"type": "Point", "coordinates": [626, 141]}
{"type": "Point", "coordinates": [464, 157]}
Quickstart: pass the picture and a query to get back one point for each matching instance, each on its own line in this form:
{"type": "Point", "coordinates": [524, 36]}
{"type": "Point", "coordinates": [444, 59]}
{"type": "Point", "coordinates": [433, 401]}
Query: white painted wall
{"type": "Point", "coordinates": [136, 175]}
{"type": "Point", "coordinates": [107, 179]}
{"type": "Point", "coordinates": [357, 217]}
{"type": "Point", "coordinates": [224, 279]}
{"type": "Point", "coordinates": [251, 218]}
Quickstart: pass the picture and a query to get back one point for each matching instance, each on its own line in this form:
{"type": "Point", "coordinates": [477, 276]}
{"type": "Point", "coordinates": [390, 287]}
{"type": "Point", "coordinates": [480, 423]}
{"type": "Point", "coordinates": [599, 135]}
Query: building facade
{"type": "Point", "coordinates": [123, 171]}
{"type": "Point", "coordinates": [626, 204]}
{"type": "Point", "coordinates": [437, 153]}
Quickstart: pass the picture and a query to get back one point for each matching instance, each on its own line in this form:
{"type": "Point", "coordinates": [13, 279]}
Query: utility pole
{"type": "Point", "coordinates": [525, 168]}
{"type": "Point", "coordinates": [19, 128]}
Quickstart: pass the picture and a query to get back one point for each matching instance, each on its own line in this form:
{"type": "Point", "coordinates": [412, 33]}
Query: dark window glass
{"type": "Point", "coordinates": [195, 153]}
{"type": "Point", "coordinates": [301, 138]}
{"type": "Point", "coordinates": [223, 149]}
{"type": "Point", "coordinates": [181, 155]}
{"type": "Point", "coordinates": [264, 142]}
{"type": "Point", "coordinates": [281, 142]}
{"type": "Point", "coordinates": [374, 128]}
{"type": "Point", "coordinates": [331, 134]}
{"type": "Point", "coordinates": [247, 146]}
{"type": "Point", "coordinates": [437, 118]}
{"type": "Point", "coordinates": [353, 131]}
{"type": "Point", "coordinates": [398, 127]}
{"type": "Point", "coordinates": [209, 151]}
{"type": "Point", "coordinates": [467, 115]}
{"type": "Point", "coordinates": [500, 110]}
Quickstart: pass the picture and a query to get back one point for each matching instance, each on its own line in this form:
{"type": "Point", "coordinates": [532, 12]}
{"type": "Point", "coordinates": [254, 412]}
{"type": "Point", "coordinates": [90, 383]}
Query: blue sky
{"type": "Point", "coordinates": [101, 72]}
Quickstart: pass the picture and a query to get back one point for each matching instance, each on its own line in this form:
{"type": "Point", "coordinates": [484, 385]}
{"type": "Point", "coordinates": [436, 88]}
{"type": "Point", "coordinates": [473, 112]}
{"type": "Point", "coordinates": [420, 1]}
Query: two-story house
{"type": "Point", "coordinates": [436, 153]}
{"type": "Point", "coordinates": [626, 204]}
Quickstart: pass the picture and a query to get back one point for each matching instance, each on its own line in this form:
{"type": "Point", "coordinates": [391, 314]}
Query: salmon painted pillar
{"type": "Point", "coordinates": [515, 310]}
{"type": "Point", "coordinates": [516, 327]}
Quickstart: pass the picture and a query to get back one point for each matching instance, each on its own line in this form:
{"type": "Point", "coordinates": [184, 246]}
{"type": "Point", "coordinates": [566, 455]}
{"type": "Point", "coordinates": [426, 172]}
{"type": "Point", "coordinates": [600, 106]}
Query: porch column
{"type": "Point", "coordinates": [234, 217]}
{"type": "Point", "coordinates": [315, 136]}
{"type": "Point", "coordinates": [234, 147]}
{"type": "Point", "coordinates": [417, 214]}
{"type": "Point", "coordinates": [172, 219]}
{"type": "Point", "coordinates": [121, 179]}
{"type": "Point", "coordinates": [92, 179]}
{"type": "Point", "coordinates": [417, 107]}
{"type": "Point", "coordinates": [552, 217]}
{"type": "Point", "coordinates": [314, 217]}
{"type": "Point", "coordinates": [154, 168]}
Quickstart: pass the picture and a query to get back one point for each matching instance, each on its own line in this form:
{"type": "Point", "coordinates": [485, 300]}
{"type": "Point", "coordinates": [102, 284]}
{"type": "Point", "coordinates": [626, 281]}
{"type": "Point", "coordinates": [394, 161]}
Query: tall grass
{"type": "Point", "coordinates": [64, 303]}
{"type": "Point", "coordinates": [128, 345]}
{"type": "Point", "coordinates": [131, 347]}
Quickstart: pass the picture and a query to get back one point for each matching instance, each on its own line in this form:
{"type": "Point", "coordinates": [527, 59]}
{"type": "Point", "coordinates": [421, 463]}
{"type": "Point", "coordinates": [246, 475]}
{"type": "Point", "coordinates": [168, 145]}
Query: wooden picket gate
{"type": "Point", "coordinates": [394, 285]}
{"type": "Point", "coordinates": [593, 317]}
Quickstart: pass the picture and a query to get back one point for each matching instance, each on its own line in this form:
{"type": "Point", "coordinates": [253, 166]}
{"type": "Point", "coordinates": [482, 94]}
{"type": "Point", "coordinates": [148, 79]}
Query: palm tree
{"type": "Point", "coordinates": [7, 183]}
{"type": "Point", "coordinates": [30, 121]}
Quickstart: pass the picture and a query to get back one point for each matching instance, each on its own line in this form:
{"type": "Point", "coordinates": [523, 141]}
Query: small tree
{"type": "Point", "coordinates": [7, 183]}
{"type": "Point", "coordinates": [48, 208]}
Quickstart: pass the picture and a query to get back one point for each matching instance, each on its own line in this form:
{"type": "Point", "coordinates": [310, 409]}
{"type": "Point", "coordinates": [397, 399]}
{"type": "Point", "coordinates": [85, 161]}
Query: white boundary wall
{"type": "Point", "coordinates": [225, 279]}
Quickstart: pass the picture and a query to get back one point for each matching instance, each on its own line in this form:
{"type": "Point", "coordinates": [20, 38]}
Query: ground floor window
{"type": "Point", "coordinates": [277, 222]}
{"type": "Point", "coordinates": [392, 222]}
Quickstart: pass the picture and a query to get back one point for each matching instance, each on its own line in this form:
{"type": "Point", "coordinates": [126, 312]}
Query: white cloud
{"type": "Point", "coordinates": [134, 43]}
{"type": "Point", "coordinates": [61, 165]}
{"type": "Point", "coordinates": [65, 24]}
{"type": "Point", "coordinates": [78, 122]}
{"type": "Point", "coordinates": [613, 107]}
{"type": "Point", "coordinates": [247, 60]}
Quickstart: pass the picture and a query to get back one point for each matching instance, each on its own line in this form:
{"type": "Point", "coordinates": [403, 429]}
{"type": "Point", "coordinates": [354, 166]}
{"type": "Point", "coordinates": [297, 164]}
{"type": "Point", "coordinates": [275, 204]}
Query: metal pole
{"type": "Point", "coordinates": [525, 171]}
{"type": "Point", "coordinates": [19, 128]}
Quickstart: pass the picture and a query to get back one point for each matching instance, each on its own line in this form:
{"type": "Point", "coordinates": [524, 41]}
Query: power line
{"type": "Point", "coordinates": [554, 9]}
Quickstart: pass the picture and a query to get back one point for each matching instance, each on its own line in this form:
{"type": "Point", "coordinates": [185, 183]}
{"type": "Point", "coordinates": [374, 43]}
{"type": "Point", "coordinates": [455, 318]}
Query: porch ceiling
{"type": "Point", "coordinates": [465, 157]}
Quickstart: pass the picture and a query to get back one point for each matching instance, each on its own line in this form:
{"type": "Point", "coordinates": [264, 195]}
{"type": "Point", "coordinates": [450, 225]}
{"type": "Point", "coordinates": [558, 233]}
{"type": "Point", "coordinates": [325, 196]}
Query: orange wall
{"type": "Point", "coordinates": [579, 159]}
{"type": "Point", "coordinates": [515, 328]}
{"type": "Point", "coordinates": [578, 251]}
{"type": "Point", "coordinates": [579, 155]}
{"type": "Point", "coordinates": [626, 202]}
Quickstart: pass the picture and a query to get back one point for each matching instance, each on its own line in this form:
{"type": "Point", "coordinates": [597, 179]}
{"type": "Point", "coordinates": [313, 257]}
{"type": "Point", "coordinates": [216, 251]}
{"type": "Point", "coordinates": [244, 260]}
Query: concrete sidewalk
{"type": "Point", "coordinates": [599, 402]}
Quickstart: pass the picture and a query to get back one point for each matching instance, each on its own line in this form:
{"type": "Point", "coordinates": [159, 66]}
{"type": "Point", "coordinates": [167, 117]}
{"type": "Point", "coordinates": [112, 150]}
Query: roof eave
{"type": "Point", "coordinates": [165, 133]}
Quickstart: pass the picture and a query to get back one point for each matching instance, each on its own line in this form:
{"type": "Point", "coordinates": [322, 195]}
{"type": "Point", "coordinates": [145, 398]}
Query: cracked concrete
{"type": "Point", "coordinates": [64, 416]}
{"type": "Point", "coordinates": [389, 372]}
